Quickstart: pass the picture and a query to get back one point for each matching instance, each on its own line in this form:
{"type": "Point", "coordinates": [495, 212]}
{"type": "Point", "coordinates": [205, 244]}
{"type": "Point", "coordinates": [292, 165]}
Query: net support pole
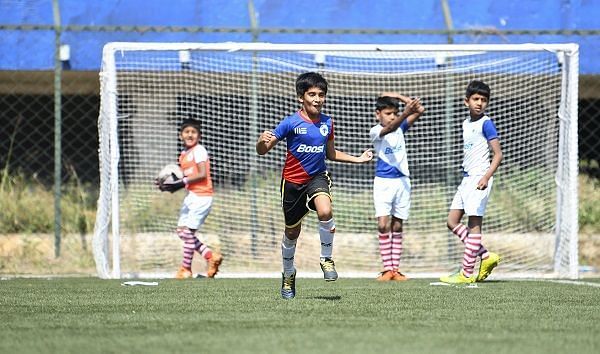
{"type": "Point", "coordinates": [109, 77]}
{"type": "Point", "coordinates": [567, 227]}
{"type": "Point", "coordinates": [57, 128]}
{"type": "Point", "coordinates": [253, 132]}
{"type": "Point", "coordinates": [572, 58]}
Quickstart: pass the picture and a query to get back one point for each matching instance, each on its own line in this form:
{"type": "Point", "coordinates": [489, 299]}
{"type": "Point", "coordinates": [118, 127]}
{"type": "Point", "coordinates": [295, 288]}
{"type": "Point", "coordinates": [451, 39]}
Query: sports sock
{"type": "Point", "coordinates": [188, 247]}
{"type": "Point", "coordinates": [396, 249]}
{"type": "Point", "coordinates": [462, 232]}
{"type": "Point", "coordinates": [326, 231]}
{"type": "Point", "coordinates": [203, 249]}
{"type": "Point", "coordinates": [472, 245]}
{"type": "Point", "coordinates": [385, 249]}
{"type": "Point", "coordinates": [288, 250]}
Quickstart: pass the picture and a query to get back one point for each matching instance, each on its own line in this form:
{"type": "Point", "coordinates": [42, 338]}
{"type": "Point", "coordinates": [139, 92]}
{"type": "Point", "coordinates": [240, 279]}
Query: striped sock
{"type": "Point", "coordinates": [326, 232]}
{"type": "Point", "coordinates": [385, 249]}
{"type": "Point", "coordinates": [396, 249]}
{"type": "Point", "coordinates": [288, 250]}
{"type": "Point", "coordinates": [472, 245]}
{"type": "Point", "coordinates": [463, 232]}
{"type": "Point", "coordinates": [188, 247]}
{"type": "Point", "coordinates": [203, 249]}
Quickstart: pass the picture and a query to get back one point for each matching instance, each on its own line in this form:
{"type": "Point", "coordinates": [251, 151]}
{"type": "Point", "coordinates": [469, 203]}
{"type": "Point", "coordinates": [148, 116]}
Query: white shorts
{"type": "Point", "coordinates": [391, 196]}
{"type": "Point", "coordinates": [194, 210]}
{"type": "Point", "coordinates": [470, 199]}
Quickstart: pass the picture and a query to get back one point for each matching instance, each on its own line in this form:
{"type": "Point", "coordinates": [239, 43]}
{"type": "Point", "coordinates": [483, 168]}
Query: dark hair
{"type": "Point", "coordinates": [189, 122]}
{"type": "Point", "coordinates": [311, 79]}
{"type": "Point", "coordinates": [384, 102]}
{"type": "Point", "coordinates": [478, 87]}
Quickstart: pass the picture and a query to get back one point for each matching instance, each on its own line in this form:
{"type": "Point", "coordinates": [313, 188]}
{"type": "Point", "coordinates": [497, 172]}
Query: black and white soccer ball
{"type": "Point", "coordinates": [169, 173]}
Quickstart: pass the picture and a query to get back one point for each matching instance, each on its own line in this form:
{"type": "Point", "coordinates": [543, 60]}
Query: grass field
{"type": "Point", "coordinates": [87, 315]}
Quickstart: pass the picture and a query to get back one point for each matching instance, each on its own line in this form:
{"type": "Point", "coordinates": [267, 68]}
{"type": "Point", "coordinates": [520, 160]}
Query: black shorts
{"type": "Point", "coordinates": [298, 199]}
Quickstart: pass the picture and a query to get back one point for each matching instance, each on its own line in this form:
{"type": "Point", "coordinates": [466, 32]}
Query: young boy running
{"type": "Point", "coordinates": [479, 136]}
{"type": "Point", "coordinates": [305, 183]}
{"type": "Point", "coordinates": [195, 164]}
{"type": "Point", "coordinates": [391, 186]}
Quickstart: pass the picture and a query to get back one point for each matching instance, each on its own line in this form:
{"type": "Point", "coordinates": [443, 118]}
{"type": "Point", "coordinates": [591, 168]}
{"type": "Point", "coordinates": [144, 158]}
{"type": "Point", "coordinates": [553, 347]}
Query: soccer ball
{"type": "Point", "coordinates": [169, 173]}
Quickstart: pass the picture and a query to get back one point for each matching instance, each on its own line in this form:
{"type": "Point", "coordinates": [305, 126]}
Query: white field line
{"type": "Point", "coordinates": [575, 282]}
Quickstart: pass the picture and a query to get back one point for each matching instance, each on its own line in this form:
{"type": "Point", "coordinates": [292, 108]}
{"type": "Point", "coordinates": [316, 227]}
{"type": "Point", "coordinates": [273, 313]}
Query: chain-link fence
{"type": "Point", "coordinates": [27, 109]}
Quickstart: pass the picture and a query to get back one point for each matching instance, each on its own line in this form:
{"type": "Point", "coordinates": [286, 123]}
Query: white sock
{"type": "Point", "coordinates": [326, 231]}
{"type": "Point", "coordinates": [288, 250]}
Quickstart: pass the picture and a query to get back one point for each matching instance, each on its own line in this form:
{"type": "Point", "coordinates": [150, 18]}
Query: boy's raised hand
{"type": "Point", "coordinates": [413, 106]}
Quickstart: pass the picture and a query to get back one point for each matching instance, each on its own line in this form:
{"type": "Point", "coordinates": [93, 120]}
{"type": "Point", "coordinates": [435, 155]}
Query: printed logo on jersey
{"type": "Point", "coordinates": [310, 148]}
{"type": "Point", "coordinates": [467, 146]}
{"type": "Point", "coordinates": [324, 130]}
{"type": "Point", "coordinates": [300, 131]}
{"type": "Point", "coordinates": [391, 150]}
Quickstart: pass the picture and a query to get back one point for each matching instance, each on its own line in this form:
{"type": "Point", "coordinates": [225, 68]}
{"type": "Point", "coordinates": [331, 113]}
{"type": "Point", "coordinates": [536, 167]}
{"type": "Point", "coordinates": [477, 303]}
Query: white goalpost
{"type": "Point", "coordinates": [237, 90]}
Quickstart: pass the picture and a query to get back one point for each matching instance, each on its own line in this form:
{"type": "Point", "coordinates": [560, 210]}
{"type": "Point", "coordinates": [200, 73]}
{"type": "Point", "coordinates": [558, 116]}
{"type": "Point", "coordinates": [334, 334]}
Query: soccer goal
{"type": "Point", "coordinates": [237, 90]}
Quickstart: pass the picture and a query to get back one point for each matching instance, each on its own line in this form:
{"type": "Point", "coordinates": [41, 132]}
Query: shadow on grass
{"type": "Point", "coordinates": [329, 298]}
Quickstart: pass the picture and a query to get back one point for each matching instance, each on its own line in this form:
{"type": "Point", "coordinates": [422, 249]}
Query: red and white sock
{"type": "Point", "coordinates": [385, 249]}
{"type": "Point", "coordinates": [203, 249]}
{"type": "Point", "coordinates": [188, 247]}
{"type": "Point", "coordinates": [462, 232]}
{"type": "Point", "coordinates": [472, 245]}
{"type": "Point", "coordinates": [396, 249]}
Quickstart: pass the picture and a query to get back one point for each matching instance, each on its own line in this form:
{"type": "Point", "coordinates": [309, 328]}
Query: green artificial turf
{"type": "Point", "coordinates": [86, 315]}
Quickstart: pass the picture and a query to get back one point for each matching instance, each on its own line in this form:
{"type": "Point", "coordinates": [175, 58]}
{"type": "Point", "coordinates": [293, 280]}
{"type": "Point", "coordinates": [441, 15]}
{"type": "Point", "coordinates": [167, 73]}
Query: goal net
{"type": "Point", "coordinates": [238, 90]}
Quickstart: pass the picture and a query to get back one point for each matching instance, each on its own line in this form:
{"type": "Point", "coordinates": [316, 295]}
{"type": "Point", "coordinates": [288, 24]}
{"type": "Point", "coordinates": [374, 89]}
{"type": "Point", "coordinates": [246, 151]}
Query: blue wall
{"type": "Point", "coordinates": [27, 50]}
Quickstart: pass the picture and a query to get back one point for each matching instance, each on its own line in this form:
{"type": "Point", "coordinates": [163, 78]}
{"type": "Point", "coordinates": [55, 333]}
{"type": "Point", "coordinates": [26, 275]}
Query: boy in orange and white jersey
{"type": "Point", "coordinates": [195, 164]}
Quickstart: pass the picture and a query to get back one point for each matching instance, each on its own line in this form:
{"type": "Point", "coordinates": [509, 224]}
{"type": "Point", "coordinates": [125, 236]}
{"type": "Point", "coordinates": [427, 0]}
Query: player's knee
{"type": "Point", "coordinates": [383, 229]}
{"type": "Point", "coordinates": [451, 224]}
{"type": "Point", "coordinates": [292, 233]}
{"type": "Point", "coordinates": [325, 214]}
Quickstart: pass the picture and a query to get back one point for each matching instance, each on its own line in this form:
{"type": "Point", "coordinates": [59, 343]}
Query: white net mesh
{"type": "Point", "coordinates": [238, 94]}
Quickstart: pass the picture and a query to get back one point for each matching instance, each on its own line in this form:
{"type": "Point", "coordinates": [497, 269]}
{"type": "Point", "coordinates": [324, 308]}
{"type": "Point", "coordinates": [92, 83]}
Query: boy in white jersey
{"type": "Point", "coordinates": [195, 164]}
{"type": "Point", "coordinates": [391, 186]}
{"type": "Point", "coordinates": [479, 136]}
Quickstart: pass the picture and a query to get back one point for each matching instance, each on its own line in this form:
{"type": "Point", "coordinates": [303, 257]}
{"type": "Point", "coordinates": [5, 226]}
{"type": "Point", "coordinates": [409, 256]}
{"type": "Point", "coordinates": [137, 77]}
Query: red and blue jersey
{"type": "Point", "coordinates": [306, 146]}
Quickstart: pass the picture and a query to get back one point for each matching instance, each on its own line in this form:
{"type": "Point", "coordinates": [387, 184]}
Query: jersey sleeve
{"type": "Point", "coordinates": [374, 133]}
{"type": "Point", "coordinates": [200, 154]}
{"type": "Point", "coordinates": [283, 129]}
{"type": "Point", "coordinates": [404, 125]}
{"type": "Point", "coordinates": [489, 130]}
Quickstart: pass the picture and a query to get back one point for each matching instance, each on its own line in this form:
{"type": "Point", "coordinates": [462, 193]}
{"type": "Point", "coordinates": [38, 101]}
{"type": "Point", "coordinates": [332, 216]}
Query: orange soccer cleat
{"type": "Point", "coordinates": [386, 275]}
{"type": "Point", "coordinates": [399, 276]}
{"type": "Point", "coordinates": [183, 273]}
{"type": "Point", "coordinates": [213, 264]}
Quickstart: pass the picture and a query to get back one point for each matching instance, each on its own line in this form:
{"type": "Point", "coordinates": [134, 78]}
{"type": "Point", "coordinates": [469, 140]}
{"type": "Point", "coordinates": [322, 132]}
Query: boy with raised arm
{"type": "Point", "coordinates": [391, 185]}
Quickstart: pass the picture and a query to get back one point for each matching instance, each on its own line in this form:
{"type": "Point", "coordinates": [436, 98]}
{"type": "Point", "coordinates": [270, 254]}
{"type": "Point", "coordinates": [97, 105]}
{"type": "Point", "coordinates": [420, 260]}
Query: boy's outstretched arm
{"type": "Point", "coordinates": [265, 142]}
{"type": "Point", "coordinates": [340, 156]}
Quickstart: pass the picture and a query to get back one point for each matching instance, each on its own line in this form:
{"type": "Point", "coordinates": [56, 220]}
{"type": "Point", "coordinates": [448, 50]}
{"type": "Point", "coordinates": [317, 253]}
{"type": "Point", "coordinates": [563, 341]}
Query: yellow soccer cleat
{"type": "Point", "coordinates": [487, 265]}
{"type": "Point", "coordinates": [457, 278]}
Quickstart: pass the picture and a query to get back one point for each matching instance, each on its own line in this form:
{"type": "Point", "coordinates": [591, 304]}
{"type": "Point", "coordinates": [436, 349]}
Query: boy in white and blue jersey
{"type": "Point", "coordinates": [305, 183]}
{"type": "Point", "coordinates": [479, 136]}
{"type": "Point", "coordinates": [391, 185]}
